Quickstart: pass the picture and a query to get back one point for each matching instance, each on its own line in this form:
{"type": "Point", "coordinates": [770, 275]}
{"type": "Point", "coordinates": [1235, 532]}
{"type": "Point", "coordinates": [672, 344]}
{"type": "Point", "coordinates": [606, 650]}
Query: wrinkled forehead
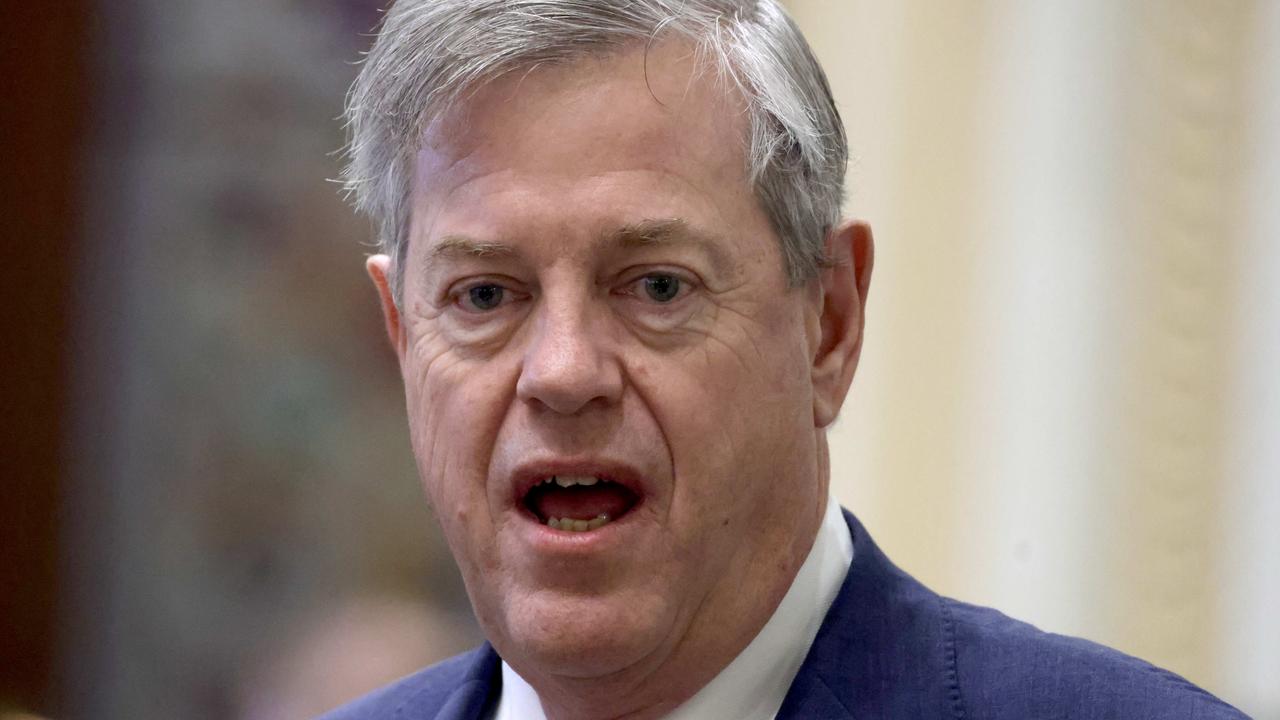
{"type": "Point", "coordinates": [664, 99]}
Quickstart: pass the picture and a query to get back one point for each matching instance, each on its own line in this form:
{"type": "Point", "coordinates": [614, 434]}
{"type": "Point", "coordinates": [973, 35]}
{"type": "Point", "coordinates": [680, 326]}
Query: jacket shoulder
{"type": "Point", "coordinates": [1003, 668]}
{"type": "Point", "coordinates": [425, 692]}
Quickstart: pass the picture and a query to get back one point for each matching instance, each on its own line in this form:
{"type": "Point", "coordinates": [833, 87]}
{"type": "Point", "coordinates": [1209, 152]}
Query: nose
{"type": "Point", "coordinates": [568, 365]}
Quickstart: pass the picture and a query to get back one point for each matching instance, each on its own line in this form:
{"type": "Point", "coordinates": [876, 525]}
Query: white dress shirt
{"type": "Point", "coordinates": [753, 686]}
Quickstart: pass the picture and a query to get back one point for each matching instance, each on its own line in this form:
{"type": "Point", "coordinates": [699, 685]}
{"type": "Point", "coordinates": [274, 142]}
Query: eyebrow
{"type": "Point", "coordinates": [453, 246]}
{"type": "Point", "coordinates": [639, 234]}
{"type": "Point", "coordinates": [669, 231]}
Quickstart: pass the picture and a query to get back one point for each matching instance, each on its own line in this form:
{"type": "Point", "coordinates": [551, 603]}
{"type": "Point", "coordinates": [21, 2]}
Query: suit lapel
{"type": "Point", "coordinates": [810, 699]}
{"type": "Point", "coordinates": [880, 651]}
{"type": "Point", "coordinates": [470, 699]}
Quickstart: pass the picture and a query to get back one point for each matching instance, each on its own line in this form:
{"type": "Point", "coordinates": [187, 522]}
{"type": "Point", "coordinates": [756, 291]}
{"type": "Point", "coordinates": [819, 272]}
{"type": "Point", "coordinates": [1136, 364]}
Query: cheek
{"type": "Point", "coordinates": [455, 407]}
{"type": "Point", "coordinates": [754, 377]}
{"type": "Point", "coordinates": [737, 412]}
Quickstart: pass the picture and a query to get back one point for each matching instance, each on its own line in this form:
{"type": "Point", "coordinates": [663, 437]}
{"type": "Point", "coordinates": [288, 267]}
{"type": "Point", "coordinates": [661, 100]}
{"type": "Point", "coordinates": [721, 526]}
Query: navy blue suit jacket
{"type": "Point", "coordinates": [889, 649]}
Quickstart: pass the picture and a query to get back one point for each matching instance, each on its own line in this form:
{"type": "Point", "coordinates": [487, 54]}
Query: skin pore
{"type": "Point", "coordinates": [592, 289]}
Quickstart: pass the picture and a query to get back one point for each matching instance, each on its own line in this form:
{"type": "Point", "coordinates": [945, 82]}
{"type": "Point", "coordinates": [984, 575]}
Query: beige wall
{"type": "Point", "coordinates": [1075, 247]}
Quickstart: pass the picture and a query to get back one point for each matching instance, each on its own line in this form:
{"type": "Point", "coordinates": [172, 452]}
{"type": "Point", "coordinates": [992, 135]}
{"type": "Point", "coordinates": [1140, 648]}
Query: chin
{"type": "Point", "coordinates": [582, 636]}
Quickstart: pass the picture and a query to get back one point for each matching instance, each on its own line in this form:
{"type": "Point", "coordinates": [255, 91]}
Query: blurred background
{"type": "Point", "coordinates": [1068, 405]}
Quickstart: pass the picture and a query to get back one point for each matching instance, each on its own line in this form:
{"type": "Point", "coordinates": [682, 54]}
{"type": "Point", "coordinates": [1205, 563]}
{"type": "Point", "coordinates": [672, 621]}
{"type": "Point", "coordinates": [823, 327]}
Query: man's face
{"type": "Point", "coordinates": [593, 294]}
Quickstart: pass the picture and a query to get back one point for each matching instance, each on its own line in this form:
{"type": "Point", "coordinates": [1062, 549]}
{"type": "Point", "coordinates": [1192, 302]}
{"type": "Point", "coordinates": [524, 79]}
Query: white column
{"type": "Point", "coordinates": [1250, 569]}
{"type": "Point", "coordinates": [1050, 221]}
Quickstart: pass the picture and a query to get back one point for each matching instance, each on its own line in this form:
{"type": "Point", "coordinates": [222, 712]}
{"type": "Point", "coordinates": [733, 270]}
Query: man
{"type": "Point", "coordinates": [625, 311]}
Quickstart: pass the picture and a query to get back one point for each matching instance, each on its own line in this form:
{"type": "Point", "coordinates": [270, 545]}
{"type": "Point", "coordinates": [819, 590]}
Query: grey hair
{"type": "Point", "coordinates": [428, 53]}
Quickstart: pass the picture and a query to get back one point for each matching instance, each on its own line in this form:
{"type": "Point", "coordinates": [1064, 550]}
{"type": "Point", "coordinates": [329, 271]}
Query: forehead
{"type": "Point", "coordinates": [654, 120]}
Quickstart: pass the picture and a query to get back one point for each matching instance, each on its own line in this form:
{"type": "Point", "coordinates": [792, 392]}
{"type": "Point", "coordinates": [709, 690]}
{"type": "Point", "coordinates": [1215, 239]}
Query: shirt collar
{"type": "Point", "coordinates": [753, 686]}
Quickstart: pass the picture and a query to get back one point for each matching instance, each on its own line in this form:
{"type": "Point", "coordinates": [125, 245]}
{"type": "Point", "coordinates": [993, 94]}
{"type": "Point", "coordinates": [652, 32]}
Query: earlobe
{"type": "Point", "coordinates": [379, 269]}
{"type": "Point", "coordinates": [844, 288]}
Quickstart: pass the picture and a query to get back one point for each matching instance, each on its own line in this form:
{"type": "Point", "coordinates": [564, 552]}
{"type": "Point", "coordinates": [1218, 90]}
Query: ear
{"type": "Point", "coordinates": [843, 287]}
{"type": "Point", "coordinates": [379, 267]}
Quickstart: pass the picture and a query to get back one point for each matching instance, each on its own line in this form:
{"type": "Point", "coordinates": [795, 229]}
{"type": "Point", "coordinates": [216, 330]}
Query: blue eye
{"type": "Point", "coordinates": [485, 297]}
{"type": "Point", "coordinates": [662, 288]}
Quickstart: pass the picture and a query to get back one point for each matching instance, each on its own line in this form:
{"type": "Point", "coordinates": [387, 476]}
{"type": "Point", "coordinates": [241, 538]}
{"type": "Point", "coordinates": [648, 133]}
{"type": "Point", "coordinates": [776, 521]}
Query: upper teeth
{"type": "Point", "coordinates": [570, 480]}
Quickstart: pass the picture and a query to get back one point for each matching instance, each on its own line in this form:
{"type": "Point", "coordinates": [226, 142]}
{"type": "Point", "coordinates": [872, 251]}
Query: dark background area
{"type": "Point", "coordinates": [210, 509]}
{"type": "Point", "coordinates": [41, 125]}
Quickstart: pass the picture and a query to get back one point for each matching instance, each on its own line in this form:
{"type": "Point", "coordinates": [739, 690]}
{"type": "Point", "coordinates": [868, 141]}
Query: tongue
{"type": "Point", "coordinates": [584, 503]}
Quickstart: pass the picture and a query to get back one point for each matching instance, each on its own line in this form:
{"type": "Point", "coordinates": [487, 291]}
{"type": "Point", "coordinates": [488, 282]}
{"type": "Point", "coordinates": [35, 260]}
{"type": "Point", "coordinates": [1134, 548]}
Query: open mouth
{"type": "Point", "coordinates": [578, 503]}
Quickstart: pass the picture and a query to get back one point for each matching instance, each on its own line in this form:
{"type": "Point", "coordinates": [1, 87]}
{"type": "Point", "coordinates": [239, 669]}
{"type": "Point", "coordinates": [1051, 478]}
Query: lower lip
{"type": "Point", "coordinates": [545, 538]}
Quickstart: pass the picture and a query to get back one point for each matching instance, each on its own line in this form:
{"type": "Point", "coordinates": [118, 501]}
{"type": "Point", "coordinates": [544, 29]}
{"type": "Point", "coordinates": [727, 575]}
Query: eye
{"type": "Point", "coordinates": [483, 297]}
{"type": "Point", "coordinates": [661, 288]}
